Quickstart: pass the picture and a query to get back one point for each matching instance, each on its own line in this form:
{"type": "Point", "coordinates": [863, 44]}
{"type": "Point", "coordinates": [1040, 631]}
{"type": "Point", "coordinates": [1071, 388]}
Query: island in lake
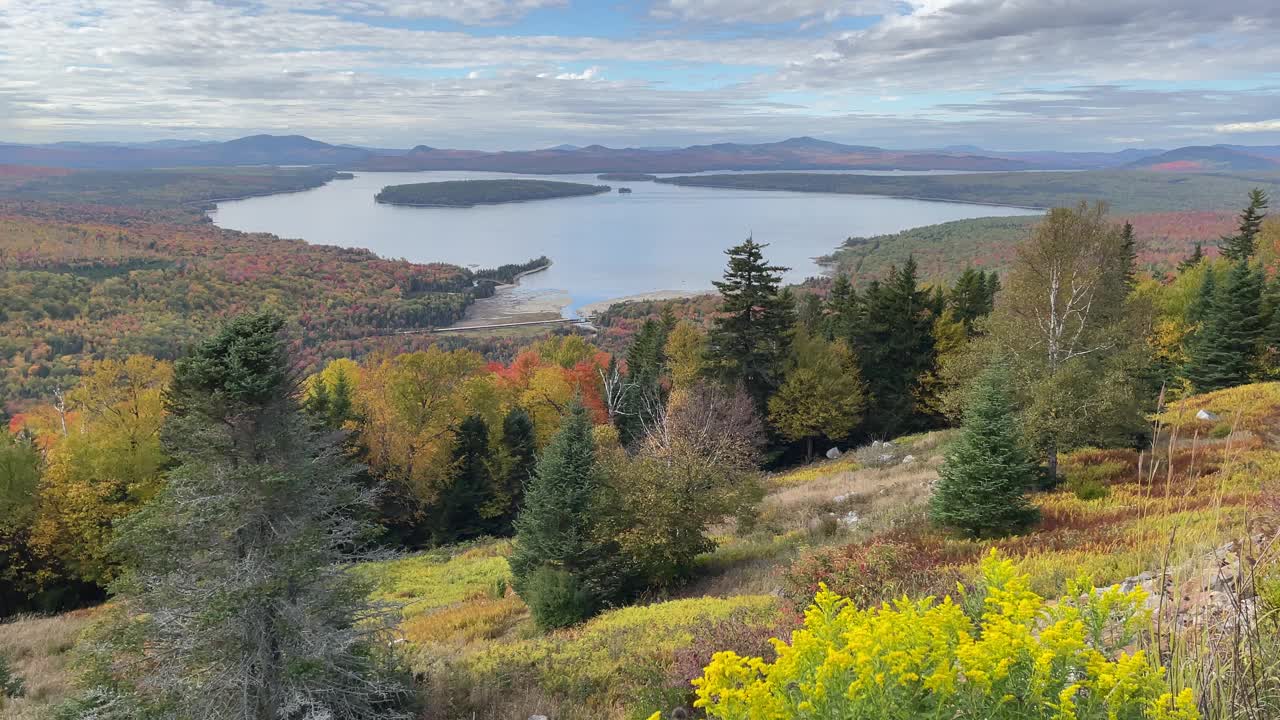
{"type": "Point", "coordinates": [627, 177]}
{"type": "Point", "coordinates": [468, 193]}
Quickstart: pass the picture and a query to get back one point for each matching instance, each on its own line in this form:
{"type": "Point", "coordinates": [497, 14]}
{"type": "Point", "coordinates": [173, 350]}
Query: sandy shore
{"type": "Point", "coordinates": [598, 307]}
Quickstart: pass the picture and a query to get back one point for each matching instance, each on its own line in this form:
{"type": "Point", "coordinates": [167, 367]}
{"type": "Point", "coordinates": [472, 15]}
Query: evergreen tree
{"type": "Point", "coordinates": [561, 566]}
{"type": "Point", "coordinates": [1242, 245]}
{"type": "Point", "coordinates": [983, 483]}
{"type": "Point", "coordinates": [519, 456]}
{"type": "Point", "coordinates": [1201, 306]}
{"type": "Point", "coordinates": [240, 583]}
{"type": "Point", "coordinates": [841, 308]}
{"type": "Point", "coordinates": [1224, 352]}
{"type": "Point", "coordinates": [341, 406]}
{"type": "Point", "coordinates": [810, 314]}
{"type": "Point", "coordinates": [458, 514]}
{"type": "Point", "coordinates": [317, 401]}
{"type": "Point", "coordinates": [822, 395]}
{"type": "Point", "coordinates": [750, 338]}
{"type": "Point", "coordinates": [642, 389]}
{"type": "Point", "coordinates": [1129, 256]}
{"type": "Point", "coordinates": [1192, 260]}
{"type": "Point", "coordinates": [893, 340]}
{"type": "Point", "coordinates": [972, 297]}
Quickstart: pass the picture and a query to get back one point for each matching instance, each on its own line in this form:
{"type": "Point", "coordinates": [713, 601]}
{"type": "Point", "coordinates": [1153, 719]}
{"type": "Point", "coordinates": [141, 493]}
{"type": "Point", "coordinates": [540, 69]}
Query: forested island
{"type": "Point", "coordinates": [1126, 191]}
{"type": "Point", "coordinates": [627, 177]}
{"type": "Point", "coordinates": [469, 193]}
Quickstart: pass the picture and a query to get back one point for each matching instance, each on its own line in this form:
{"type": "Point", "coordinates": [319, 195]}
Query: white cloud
{"type": "Point", "coordinates": [767, 11]}
{"type": "Point", "coordinates": [1249, 127]}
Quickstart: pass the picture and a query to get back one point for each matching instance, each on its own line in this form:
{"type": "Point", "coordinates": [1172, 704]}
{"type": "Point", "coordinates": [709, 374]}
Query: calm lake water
{"type": "Point", "coordinates": [659, 237]}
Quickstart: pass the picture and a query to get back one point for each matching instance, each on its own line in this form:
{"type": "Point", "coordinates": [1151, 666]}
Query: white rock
{"type": "Point", "coordinates": [908, 459]}
{"type": "Point", "coordinates": [834, 454]}
{"type": "Point", "coordinates": [1206, 415]}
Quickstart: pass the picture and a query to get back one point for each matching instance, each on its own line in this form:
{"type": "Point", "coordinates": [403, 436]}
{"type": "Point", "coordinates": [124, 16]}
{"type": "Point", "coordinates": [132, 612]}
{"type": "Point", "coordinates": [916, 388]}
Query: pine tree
{"type": "Point", "coordinates": [458, 514]}
{"type": "Point", "coordinates": [841, 308]}
{"type": "Point", "coordinates": [642, 390]}
{"type": "Point", "coordinates": [1224, 352]}
{"type": "Point", "coordinates": [983, 483]}
{"type": "Point", "coordinates": [972, 297]}
{"type": "Point", "coordinates": [1242, 245]}
{"type": "Point", "coordinates": [1201, 306]}
{"type": "Point", "coordinates": [750, 339]}
{"type": "Point", "coordinates": [561, 566]}
{"type": "Point", "coordinates": [1192, 260]}
{"type": "Point", "coordinates": [519, 457]}
{"type": "Point", "coordinates": [242, 562]}
{"type": "Point", "coordinates": [317, 401]}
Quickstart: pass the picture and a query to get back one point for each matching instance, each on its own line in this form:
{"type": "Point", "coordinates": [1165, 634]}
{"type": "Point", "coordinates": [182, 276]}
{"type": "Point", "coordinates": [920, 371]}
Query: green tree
{"type": "Point", "coordinates": [822, 395]}
{"type": "Point", "coordinates": [1192, 260]}
{"type": "Point", "coordinates": [562, 565]}
{"type": "Point", "coordinates": [982, 486]}
{"type": "Point", "coordinates": [972, 297]}
{"type": "Point", "coordinates": [750, 338]}
{"type": "Point", "coordinates": [1129, 255]}
{"type": "Point", "coordinates": [1074, 340]}
{"type": "Point", "coordinates": [640, 393]}
{"type": "Point", "coordinates": [893, 341]}
{"type": "Point", "coordinates": [1224, 351]}
{"type": "Point", "coordinates": [240, 583]}
{"type": "Point", "coordinates": [459, 513]}
{"type": "Point", "coordinates": [1242, 245]}
{"type": "Point", "coordinates": [519, 457]}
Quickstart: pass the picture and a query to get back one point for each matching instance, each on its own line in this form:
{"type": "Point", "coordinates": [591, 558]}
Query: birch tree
{"type": "Point", "coordinates": [1074, 338]}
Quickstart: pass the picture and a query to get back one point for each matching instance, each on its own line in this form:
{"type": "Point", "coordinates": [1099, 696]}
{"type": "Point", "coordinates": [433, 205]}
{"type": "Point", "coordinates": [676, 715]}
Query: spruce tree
{"type": "Point", "coordinates": [240, 582]}
{"type": "Point", "coordinates": [972, 297]}
{"type": "Point", "coordinates": [750, 338]}
{"type": "Point", "coordinates": [893, 340]}
{"type": "Point", "coordinates": [458, 514]}
{"type": "Point", "coordinates": [1128, 255]}
{"type": "Point", "coordinates": [982, 486]}
{"type": "Point", "coordinates": [1241, 246]}
{"type": "Point", "coordinates": [641, 391]}
{"type": "Point", "coordinates": [1224, 352]}
{"type": "Point", "coordinates": [562, 566]}
{"type": "Point", "coordinates": [519, 457]}
{"type": "Point", "coordinates": [1201, 306]}
{"type": "Point", "coordinates": [340, 400]}
{"type": "Point", "coordinates": [1192, 260]}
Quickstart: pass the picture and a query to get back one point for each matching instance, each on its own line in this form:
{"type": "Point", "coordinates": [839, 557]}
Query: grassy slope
{"type": "Point", "coordinates": [472, 645]}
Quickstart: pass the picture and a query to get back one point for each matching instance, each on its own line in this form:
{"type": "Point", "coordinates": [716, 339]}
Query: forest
{"type": "Point", "coordinates": [468, 193]}
{"type": "Point", "coordinates": [1048, 492]}
{"type": "Point", "coordinates": [1126, 191]}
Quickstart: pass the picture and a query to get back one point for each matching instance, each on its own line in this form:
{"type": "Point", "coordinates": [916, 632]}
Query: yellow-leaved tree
{"type": "Point", "coordinates": [102, 461]}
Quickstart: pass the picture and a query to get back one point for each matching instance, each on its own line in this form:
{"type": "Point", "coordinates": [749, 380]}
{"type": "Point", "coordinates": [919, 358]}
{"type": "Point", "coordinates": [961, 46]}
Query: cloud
{"type": "Point", "coordinates": [767, 11]}
{"type": "Point", "coordinates": [1249, 127]}
{"type": "Point", "coordinates": [1014, 73]}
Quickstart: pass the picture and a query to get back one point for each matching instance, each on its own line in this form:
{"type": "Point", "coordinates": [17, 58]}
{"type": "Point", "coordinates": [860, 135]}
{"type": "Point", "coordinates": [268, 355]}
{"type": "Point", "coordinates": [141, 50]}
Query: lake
{"type": "Point", "coordinates": [658, 238]}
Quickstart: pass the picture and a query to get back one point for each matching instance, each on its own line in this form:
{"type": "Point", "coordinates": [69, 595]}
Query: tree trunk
{"type": "Point", "coordinates": [808, 450]}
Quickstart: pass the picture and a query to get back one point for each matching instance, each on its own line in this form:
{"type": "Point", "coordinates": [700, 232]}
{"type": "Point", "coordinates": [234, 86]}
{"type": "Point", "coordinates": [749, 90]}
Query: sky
{"type": "Point", "coordinates": [519, 74]}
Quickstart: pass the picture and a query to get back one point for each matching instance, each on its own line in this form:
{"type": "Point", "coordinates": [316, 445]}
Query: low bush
{"type": "Point", "coordinates": [1020, 658]}
{"type": "Point", "coordinates": [867, 574]}
{"type": "Point", "coordinates": [11, 685]}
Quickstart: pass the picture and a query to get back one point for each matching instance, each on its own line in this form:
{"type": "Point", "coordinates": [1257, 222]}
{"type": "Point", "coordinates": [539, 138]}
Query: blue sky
{"type": "Point", "coordinates": [506, 74]}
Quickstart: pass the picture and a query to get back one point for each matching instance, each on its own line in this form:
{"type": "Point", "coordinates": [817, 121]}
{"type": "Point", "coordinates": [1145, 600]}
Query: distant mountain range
{"type": "Point", "coordinates": [802, 153]}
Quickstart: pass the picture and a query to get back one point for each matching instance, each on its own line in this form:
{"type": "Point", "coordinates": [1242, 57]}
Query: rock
{"type": "Point", "coordinates": [908, 459]}
{"type": "Point", "coordinates": [849, 519]}
{"type": "Point", "coordinates": [886, 458]}
{"type": "Point", "coordinates": [834, 454]}
{"type": "Point", "coordinates": [840, 498]}
{"type": "Point", "coordinates": [1207, 415]}
{"type": "Point", "coordinates": [537, 717]}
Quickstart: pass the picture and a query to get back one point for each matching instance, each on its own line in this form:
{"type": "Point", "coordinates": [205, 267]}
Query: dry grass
{"type": "Point", "coordinates": [39, 650]}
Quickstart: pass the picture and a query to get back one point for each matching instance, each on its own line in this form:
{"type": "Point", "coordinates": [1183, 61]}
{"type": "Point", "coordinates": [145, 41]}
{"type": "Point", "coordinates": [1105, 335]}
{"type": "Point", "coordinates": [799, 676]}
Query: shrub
{"type": "Point", "coordinates": [10, 684]}
{"type": "Point", "coordinates": [1089, 482]}
{"type": "Point", "coordinates": [1220, 431]}
{"type": "Point", "coordinates": [878, 455]}
{"type": "Point", "coordinates": [866, 574]}
{"type": "Point", "coordinates": [1022, 659]}
{"type": "Point", "coordinates": [556, 598]}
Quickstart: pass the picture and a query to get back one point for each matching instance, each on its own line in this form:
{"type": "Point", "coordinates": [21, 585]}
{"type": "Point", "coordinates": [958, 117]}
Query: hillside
{"type": "Point", "coordinates": [469, 193]}
{"type": "Point", "coordinates": [943, 251]}
{"type": "Point", "coordinates": [1127, 192]}
{"type": "Point", "coordinates": [1215, 158]}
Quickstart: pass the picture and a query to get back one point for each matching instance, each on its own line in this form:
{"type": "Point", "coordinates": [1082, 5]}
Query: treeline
{"type": "Point", "coordinates": [466, 193]}
{"type": "Point", "coordinates": [508, 273]}
{"type": "Point", "coordinates": [1127, 191]}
